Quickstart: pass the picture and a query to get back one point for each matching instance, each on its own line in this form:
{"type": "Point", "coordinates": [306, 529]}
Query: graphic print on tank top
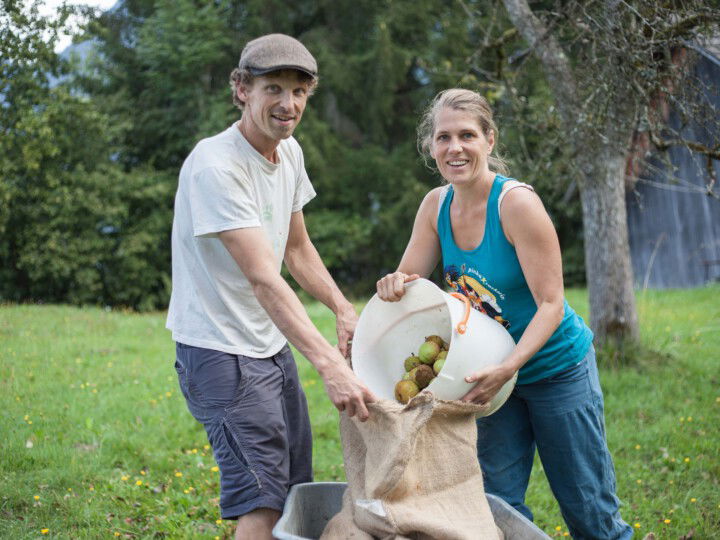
{"type": "Point", "coordinates": [478, 291]}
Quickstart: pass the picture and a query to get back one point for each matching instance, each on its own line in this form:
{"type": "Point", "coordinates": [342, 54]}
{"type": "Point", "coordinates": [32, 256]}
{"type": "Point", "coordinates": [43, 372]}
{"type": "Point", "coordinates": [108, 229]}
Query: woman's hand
{"type": "Point", "coordinates": [391, 288]}
{"type": "Point", "coordinates": [489, 382]}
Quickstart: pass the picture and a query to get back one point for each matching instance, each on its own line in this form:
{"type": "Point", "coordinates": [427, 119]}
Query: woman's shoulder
{"type": "Point", "coordinates": [507, 184]}
{"type": "Point", "coordinates": [431, 204]}
{"type": "Point", "coordinates": [509, 192]}
{"type": "Point", "coordinates": [523, 214]}
{"type": "Point", "coordinates": [435, 196]}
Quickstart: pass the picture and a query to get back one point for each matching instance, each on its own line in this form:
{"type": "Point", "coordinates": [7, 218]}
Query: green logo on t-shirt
{"type": "Point", "coordinates": [268, 212]}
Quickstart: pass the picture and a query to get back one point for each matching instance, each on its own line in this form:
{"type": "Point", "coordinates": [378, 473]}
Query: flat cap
{"type": "Point", "coordinates": [274, 52]}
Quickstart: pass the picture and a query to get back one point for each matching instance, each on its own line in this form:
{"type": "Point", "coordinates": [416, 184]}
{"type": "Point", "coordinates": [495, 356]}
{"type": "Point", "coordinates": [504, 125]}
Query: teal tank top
{"type": "Point", "coordinates": [491, 277]}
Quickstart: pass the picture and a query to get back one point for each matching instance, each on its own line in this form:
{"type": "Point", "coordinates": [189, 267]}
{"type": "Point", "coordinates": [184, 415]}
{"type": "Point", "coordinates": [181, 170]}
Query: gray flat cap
{"type": "Point", "coordinates": [274, 52]}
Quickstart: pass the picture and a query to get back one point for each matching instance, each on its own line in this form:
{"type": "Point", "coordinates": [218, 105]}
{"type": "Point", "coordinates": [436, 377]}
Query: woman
{"type": "Point", "coordinates": [499, 248]}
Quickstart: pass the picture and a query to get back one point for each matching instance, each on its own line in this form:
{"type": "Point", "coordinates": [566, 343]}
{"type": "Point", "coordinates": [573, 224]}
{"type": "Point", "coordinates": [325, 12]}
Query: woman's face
{"type": "Point", "coordinates": [459, 147]}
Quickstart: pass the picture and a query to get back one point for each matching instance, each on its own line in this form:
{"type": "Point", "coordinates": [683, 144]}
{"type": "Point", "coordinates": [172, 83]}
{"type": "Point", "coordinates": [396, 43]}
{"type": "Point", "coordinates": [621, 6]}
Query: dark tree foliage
{"type": "Point", "coordinates": [157, 83]}
{"type": "Point", "coordinates": [74, 226]}
{"type": "Point", "coordinates": [163, 69]}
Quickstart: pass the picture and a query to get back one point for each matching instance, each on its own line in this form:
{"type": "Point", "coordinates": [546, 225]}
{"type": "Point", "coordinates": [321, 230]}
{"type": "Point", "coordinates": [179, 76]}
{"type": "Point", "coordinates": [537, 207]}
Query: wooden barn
{"type": "Point", "coordinates": [673, 204]}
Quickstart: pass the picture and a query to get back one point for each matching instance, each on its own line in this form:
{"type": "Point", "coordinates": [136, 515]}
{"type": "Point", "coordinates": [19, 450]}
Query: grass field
{"type": "Point", "coordinates": [97, 442]}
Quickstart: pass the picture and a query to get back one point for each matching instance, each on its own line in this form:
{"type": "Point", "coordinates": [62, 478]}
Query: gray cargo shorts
{"type": "Point", "coordinates": [256, 418]}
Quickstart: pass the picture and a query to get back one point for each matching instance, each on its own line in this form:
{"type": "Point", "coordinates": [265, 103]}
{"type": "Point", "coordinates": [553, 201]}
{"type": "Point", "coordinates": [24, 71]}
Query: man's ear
{"type": "Point", "coordinates": [242, 91]}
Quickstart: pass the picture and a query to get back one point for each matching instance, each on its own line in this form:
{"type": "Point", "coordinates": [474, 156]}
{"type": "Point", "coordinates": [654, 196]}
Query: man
{"type": "Point", "coordinates": [238, 214]}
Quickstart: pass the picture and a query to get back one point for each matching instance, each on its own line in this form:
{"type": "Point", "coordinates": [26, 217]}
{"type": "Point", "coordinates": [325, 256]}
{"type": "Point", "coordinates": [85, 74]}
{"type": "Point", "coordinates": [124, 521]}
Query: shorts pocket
{"type": "Point", "coordinates": [182, 379]}
{"type": "Point", "coordinates": [234, 455]}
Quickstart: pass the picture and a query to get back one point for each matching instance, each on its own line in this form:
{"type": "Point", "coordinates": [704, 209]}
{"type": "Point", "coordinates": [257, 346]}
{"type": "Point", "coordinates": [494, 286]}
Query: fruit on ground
{"type": "Point", "coordinates": [422, 375]}
{"type": "Point", "coordinates": [411, 362]}
{"type": "Point", "coordinates": [438, 365]}
{"type": "Point", "coordinates": [405, 391]}
{"type": "Point", "coordinates": [428, 352]}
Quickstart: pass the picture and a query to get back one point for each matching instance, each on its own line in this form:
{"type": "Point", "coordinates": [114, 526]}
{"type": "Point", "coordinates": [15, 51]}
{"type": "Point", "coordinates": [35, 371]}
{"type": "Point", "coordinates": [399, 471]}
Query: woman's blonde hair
{"type": "Point", "coordinates": [459, 99]}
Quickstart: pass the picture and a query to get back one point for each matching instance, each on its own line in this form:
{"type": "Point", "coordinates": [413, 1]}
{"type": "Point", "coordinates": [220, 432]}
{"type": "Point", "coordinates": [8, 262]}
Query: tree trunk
{"type": "Point", "coordinates": [613, 315]}
{"type": "Point", "coordinates": [602, 185]}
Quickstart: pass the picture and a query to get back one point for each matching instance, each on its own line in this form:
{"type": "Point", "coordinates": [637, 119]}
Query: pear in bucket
{"type": "Point", "coordinates": [439, 363]}
{"type": "Point", "coordinates": [411, 362]}
{"type": "Point", "coordinates": [422, 375]}
{"type": "Point", "coordinates": [428, 352]}
{"type": "Point", "coordinates": [405, 390]}
{"type": "Point", "coordinates": [440, 342]}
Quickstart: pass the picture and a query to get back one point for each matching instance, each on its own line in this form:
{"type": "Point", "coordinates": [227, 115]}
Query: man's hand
{"type": "Point", "coordinates": [345, 323]}
{"type": "Point", "coordinates": [346, 391]}
{"type": "Point", "coordinates": [489, 381]}
{"type": "Point", "coordinates": [391, 288]}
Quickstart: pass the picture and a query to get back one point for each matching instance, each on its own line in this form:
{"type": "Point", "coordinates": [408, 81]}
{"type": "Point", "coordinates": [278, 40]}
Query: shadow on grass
{"type": "Point", "coordinates": [617, 355]}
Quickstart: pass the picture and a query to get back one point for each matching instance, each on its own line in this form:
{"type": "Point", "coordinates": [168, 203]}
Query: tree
{"type": "Point", "coordinates": [163, 69]}
{"type": "Point", "coordinates": [74, 226]}
{"type": "Point", "coordinates": [606, 63]}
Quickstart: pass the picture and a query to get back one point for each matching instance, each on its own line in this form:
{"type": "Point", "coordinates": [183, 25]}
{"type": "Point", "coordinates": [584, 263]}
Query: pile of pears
{"type": "Point", "coordinates": [420, 370]}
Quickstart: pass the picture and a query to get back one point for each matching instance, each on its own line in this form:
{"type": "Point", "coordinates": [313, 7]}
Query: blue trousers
{"type": "Point", "coordinates": [563, 416]}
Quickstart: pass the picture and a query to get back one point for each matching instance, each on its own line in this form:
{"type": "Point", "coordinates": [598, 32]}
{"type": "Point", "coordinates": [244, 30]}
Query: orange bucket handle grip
{"type": "Point", "coordinates": [462, 325]}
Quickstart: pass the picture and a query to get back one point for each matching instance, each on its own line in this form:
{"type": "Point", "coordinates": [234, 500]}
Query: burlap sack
{"type": "Point", "coordinates": [412, 472]}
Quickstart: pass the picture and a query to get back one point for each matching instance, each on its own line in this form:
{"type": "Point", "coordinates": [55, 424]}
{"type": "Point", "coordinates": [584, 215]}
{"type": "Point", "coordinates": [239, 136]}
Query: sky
{"type": "Point", "coordinates": [49, 7]}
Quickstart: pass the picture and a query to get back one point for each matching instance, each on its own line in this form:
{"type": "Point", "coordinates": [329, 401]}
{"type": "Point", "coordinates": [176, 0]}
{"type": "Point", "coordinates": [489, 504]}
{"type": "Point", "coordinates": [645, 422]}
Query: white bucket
{"type": "Point", "coordinates": [388, 332]}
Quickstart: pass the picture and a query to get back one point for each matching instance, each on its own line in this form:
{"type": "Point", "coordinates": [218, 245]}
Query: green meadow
{"type": "Point", "coordinates": [96, 441]}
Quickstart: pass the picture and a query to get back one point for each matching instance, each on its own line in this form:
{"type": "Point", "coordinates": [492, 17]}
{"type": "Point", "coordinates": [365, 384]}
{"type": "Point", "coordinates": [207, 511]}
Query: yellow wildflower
{"type": "Point", "coordinates": [36, 497]}
{"type": "Point", "coordinates": [44, 531]}
{"type": "Point", "coordinates": [215, 468]}
{"type": "Point", "coordinates": [138, 483]}
{"type": "Point", "coordinates": [178, 474]}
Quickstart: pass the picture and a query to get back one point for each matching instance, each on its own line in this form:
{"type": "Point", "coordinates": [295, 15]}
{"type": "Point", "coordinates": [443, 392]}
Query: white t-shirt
{"type": "Point", "coordinates": [226, 184]}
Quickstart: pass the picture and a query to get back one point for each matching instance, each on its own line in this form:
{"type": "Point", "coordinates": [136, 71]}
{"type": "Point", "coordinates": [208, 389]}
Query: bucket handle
{"type": "Point", "coordinates": [462, 325]}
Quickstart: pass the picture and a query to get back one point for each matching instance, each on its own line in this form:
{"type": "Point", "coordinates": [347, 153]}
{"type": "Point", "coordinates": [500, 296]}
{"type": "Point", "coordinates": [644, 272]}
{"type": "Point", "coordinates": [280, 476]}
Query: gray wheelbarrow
{"type": "Point", "coordinates": [310, 506]}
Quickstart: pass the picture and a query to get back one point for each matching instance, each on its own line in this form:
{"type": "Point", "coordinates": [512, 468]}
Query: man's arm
{"type": "Point", "coordinates": [252, 252]}
{"type": "Point", "coordinates": [305, 265]}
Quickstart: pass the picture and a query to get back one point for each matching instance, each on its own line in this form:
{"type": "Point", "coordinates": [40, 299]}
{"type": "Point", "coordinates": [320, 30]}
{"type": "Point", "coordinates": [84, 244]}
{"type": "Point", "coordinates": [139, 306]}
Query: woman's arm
{"type": "Point", "coordinates": [421, 254]}
{"type": "Point", "coordinates": [528, 227]}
